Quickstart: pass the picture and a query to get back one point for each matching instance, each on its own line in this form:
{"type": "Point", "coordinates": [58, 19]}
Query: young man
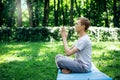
{"type": "Point", "coordinates": [82, 50]}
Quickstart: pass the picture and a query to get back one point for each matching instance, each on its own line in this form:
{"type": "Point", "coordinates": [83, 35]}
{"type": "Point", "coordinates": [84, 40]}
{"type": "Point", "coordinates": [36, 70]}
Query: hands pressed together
{"type": "Point", "coordinates": [64, 33]}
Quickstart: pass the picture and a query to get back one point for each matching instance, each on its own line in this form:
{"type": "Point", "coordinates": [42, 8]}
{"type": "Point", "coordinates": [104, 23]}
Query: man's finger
{"type": "Point", "coordinates": [63, 29]}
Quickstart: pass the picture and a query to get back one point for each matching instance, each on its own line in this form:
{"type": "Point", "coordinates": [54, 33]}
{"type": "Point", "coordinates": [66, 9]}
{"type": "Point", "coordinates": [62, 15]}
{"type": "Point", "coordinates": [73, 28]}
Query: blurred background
{"type": "Point", "coordinates": [37, 13]}
{"type": "Point", "coordinates": [30, 38]}
{"type": "Point", "coordinates": [21, 18]}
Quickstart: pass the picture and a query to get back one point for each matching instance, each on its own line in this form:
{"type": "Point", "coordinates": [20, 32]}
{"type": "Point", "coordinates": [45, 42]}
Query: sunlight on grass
{"type": "Point", "coordinates": [12, 52]}
{"type": "Point", "coordinates": [106, 56]}
{"type": "Point", "coordinates": [9, 58]}
{"type": "Point", "coordinates": [113, 47]}
{"type": "Point", "coordinates": [18, 51]}
{"type": "Point", "coordinates": [15, 46]}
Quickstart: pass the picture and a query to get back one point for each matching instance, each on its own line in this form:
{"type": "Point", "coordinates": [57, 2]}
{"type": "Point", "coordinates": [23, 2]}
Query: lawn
{"type": "Point", "coordinates": [36, 60]}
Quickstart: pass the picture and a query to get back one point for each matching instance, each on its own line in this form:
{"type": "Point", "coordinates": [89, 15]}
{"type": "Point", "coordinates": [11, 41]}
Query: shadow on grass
{"type": "Point", "coordinates": [27, 70]}
{"type": "Point", "coordinates": [39, 62]}
{"type": "Point", "coordinates": [109, 62]}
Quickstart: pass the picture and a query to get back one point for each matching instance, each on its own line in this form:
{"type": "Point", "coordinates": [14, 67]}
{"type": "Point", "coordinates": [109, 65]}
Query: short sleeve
{"type": "Point", "coordinates": [80, 44]}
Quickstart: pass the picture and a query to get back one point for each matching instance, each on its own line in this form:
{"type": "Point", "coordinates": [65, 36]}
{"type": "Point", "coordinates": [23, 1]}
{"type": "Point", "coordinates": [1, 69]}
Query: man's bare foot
{"type": "Point", "coordinates": [65, 71]}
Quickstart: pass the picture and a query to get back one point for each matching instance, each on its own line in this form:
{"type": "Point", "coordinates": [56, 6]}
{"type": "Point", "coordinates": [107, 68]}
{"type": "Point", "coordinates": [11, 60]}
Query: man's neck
{"type": "Point", "coordinates": [82, 33]}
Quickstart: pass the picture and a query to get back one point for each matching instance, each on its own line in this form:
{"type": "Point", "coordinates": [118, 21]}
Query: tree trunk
{"type": "Point", "coordinates": [118, 16]}
{"type": "Point", "coordinates": [115, 13]}
{"type": "Point", "coordinates": [66, 14]}
{"type": "Point", "coordinates": [55, 14]}
{"type": "Point", "coordinates": [106, 18]}
{"type": "Point", "coordinates": [37, 13]}
{"type": "Point", "coordinates": [19, 12]}
{"type": "Point", "coordinates": [1, 13]}
{"type": "Point", "coordinates": [12, 14]}
{"type": "Point", "coordinates": [46, 13]}
{"type": "Point", "coordinates": [30, 10]}
{"type": "Point", "coordinates": [58, 12]}
{"type": "Point", "coordinates": [77, 8]}
{"type": "Point", "coordinates": [71, 13]}
{"type": "Point", "coordinates": [63, 14]}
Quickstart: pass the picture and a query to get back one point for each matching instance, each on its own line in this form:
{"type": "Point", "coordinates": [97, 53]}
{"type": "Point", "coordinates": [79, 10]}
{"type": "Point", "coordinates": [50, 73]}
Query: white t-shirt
{"type": "Point", "coordinates": [85, 50]}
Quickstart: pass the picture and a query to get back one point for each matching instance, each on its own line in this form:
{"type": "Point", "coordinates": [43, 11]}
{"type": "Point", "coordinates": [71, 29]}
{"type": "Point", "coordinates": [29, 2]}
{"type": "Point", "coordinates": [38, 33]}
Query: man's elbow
{"type": "Point", "coordinates": [68, 53]}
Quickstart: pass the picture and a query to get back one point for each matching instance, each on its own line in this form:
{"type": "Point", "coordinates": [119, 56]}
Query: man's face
{"type": "Point", "coordinates": [78, 26]}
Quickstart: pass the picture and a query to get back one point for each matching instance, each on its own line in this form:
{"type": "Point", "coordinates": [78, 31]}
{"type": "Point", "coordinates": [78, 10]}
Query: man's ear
{"type": "Point", "coordinates": [83, 27]}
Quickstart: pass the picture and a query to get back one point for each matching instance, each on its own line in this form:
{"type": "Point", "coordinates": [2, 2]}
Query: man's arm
{"type": "Point", "coordinates": [72, 47]}
{"type": "Point", "coordinates": [68, 51]}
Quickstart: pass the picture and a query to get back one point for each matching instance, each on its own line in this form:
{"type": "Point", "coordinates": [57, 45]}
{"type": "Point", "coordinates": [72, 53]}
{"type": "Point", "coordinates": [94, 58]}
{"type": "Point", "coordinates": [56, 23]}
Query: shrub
{"type": "Point", "coordinates": [118, 35]}
{"type": "Point", "coordinates": [5, 34]}
{"type": "Point", "coordinates": [46, 33]}
{"type": "Point", "coordinates": [55, 34]}
{"type": "Point", "coordinates": [71, 33]}
{"type": "Point", "coordinates": [32, 34]}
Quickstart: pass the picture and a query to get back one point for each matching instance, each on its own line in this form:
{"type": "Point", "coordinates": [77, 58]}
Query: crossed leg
{"type": "Point", "coordinates": [68, 65]}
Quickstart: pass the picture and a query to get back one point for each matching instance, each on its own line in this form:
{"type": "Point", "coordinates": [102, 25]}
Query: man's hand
{"type": "Point", "coordinates": [68, 51]}
{"type": "Point", "coordinates": [64, 34]}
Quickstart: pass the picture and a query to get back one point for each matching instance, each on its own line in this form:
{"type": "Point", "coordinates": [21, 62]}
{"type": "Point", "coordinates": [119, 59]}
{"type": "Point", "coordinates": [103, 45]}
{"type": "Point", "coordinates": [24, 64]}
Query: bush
{"type": "Point", "coordinates": [5, 34]}
{"type": "Point", "coordinates": [71, 33]}
{"type": "Point", "coordinates": [32, 34]}
{"type": "Point", "coordinates": [105, 36]}
{"type": "Point", "coordinates": [118, 35]}
{"type": "Point", "coordinates": [46, 33]}
{"type": "Point", "coordinates": [55, 34]}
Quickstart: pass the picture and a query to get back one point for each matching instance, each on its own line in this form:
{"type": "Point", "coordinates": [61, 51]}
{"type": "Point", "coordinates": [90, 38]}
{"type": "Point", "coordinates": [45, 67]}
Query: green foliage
{"type": "Point", "coordinates": [7, 16]}
{"type": "Point", "coordinates": [5, 34]}
{"type": "Point", "coordinates": [105, 36]}
{"type": "Point", "coordinates": [32, 34]}
{"type": "Point", "coordinates": [56, 34]}
{"type": "Point", "coordinates": [48, 33]}
{"type": "Point", "coordinates": [118, 35]}
{"type": "Point", "coordinates": [100, 12]}
{"type": "Point", "coordinates": [70, 33]}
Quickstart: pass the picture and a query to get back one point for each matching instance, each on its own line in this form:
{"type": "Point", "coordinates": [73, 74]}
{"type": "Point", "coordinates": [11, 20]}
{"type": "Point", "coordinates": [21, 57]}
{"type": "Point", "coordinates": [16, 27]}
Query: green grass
{"type": "Point", "coordinates": [106, 56]}
{"type": "Point", "coordinates": [36, 60]}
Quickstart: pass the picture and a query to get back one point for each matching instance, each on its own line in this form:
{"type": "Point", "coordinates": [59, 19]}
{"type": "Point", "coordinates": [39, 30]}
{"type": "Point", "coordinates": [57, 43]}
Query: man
{"type": "Point", "coordinates": [82, 50]}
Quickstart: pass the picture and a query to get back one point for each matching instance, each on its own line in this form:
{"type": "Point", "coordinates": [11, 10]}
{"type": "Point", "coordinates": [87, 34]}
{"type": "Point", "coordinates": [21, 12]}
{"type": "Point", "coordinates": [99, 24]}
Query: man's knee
{"type": "Point", "coordinates": [59, 57]}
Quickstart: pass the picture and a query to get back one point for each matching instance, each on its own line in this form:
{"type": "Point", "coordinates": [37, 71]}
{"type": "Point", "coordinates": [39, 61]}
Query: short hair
{"type": "Point", "coordinates": [84, 21]}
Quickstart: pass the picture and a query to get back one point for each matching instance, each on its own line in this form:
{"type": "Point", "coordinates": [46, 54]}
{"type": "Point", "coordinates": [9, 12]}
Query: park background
{"type": "Point", "coordinates": [30, 38]}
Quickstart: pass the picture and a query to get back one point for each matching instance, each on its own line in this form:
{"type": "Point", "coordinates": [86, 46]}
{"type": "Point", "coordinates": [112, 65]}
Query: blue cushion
{"type": "Point", "coordinates": [95, 74]}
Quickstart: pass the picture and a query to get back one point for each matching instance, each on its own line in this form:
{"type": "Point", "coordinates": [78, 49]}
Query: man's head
{"type": "Point", "coordinates": [82, 24]}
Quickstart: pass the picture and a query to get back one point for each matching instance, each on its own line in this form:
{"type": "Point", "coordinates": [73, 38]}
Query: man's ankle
{"type": "Point", "coordinates": [65, 71]}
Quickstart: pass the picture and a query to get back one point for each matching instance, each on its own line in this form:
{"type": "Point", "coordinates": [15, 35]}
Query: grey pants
{"type": "Point", "coordinates": [64, 62]}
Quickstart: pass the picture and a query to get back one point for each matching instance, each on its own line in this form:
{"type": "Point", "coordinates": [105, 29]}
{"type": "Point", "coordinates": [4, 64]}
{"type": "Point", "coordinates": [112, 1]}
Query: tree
{"type": "Point", "coordinates": [105, 9]}
{"type": "Point", "coordinates": [7, 17]}
{"type": "Point", "coordinates": [63, 13]}
{"type": "Point", "coordinates": [19, 12]}
{"type": "Point", "coordinates": [55, 14]}
{"type": "Point", "coordinates": [46, 13]}
{"type": "Point", "coordinates": [1, 13]}
{"type": "Point", "coordinates": [77, 8]}
{"type": "Point", "coordinates": [36, 12]}
{"type": "Point", "coordinates": [71, 13]}
{"type": "Point", "coordinates": [66, 13]}
{"type": "Point", "coordinates": [116, 14]}
{"type": "Point", "coordinates": [30, 10]}
{"type": "Point", "coordinates": [58, 12]}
